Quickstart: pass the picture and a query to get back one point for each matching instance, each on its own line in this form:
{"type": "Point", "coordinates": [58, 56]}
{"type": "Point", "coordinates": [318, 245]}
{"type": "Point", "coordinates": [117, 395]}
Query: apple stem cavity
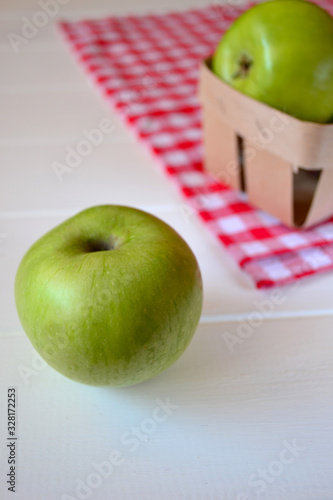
{"type": "Point", "coordinates": [244, 65]}
{"type": "Point", "coordinates": [101, 245]}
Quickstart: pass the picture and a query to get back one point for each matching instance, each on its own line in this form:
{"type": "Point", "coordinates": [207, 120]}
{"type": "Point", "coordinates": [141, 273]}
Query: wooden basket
{"type": "Point", "coordinates": [285, 165]}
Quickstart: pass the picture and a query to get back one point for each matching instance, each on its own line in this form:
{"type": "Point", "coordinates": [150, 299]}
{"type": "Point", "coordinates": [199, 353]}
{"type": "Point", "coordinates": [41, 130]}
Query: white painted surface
{"type": "Point", "coordinates": [239, 405]}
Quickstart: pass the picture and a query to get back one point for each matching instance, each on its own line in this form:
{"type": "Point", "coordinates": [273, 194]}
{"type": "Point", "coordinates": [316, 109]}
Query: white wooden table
{"type": "Point", "coordinates": [250, 418]}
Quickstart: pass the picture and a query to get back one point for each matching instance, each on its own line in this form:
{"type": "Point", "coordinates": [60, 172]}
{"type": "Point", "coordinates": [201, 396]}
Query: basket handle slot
{"type": "Point", "coordinates": [304, 186]}
{"type": "Point", "coordinates": [240, 148]}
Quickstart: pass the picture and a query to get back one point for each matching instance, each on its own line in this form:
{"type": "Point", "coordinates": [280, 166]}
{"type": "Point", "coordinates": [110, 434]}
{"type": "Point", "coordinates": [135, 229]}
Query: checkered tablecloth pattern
{"type": "Point", "coordinates": [147, 68]}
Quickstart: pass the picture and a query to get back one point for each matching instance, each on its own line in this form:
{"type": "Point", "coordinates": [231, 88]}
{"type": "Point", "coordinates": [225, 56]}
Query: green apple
{"type": "Point", "coordinates": [281, 53]}
{"type": "Point", "coordinates": [112, 296]}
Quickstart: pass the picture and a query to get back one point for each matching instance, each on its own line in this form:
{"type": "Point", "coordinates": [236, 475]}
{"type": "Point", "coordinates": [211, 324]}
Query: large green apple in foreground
{"type": "Point", "coordinates": [281, 53]}
{"type": "Point", "coordinates": [112, 296]}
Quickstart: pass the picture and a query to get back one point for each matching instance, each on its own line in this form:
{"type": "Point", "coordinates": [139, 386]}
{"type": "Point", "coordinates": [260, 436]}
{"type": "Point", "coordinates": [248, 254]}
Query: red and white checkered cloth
{"type": "Point", "coordinates": [147, 69]}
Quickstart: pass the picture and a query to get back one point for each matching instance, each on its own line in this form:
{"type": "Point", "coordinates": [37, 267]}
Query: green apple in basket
{"type": "Point", "coordinates": [281, 53]}
{"type": "Point", "coordinates": [112, 296]}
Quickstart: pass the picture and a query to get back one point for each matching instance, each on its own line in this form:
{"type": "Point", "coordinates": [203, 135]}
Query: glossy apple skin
{"type": "Point", "coordinates": [109, 317]}
{"type": "Point", "coordinates": [290, 44]}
